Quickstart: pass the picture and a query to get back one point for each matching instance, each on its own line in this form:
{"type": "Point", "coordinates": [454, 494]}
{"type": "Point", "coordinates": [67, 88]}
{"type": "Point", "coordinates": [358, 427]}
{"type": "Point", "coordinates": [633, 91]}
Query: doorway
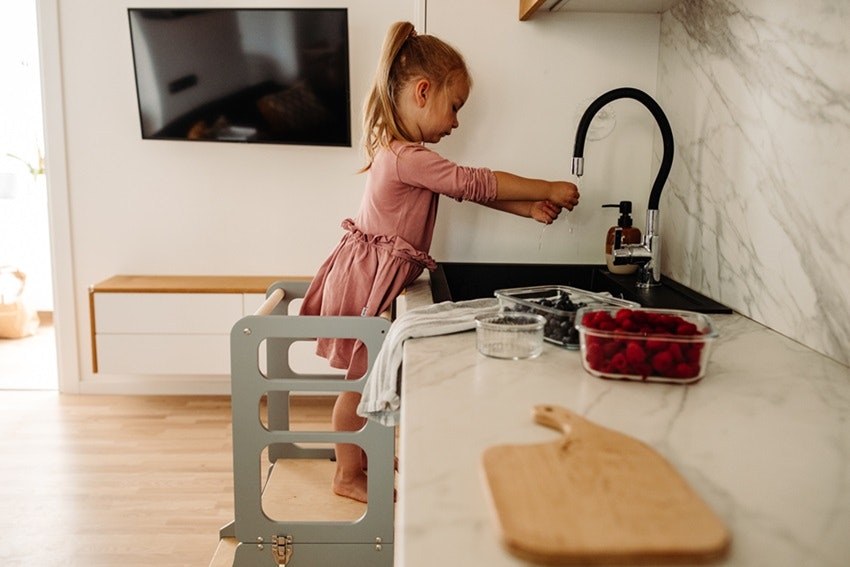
{"type": "Point", "coordinates": [29, 362]}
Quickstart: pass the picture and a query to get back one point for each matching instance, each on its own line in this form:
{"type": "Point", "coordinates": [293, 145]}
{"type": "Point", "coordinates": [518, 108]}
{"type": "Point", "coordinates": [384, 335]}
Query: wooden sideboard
{"type": "Point", "coordinates": [170, 324]}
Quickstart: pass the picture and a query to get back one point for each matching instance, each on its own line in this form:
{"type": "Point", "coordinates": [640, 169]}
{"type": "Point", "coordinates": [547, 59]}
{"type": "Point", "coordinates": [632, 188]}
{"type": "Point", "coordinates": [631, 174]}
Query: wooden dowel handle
{"type": "Point", "coordinates": [270, 303]}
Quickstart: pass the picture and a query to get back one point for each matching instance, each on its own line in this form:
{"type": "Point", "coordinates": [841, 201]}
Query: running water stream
{"type": "Point", "coordinates": [569, 224]}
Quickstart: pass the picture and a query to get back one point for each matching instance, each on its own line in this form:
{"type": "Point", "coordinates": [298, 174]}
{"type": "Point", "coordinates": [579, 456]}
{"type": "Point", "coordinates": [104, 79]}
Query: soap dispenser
{"type": "Point", "coordinates": [628, 235]}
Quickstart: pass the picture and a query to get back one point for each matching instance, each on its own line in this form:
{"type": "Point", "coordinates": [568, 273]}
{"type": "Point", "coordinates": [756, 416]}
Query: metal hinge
{"type": "Point", "coordinates": [282, 549]}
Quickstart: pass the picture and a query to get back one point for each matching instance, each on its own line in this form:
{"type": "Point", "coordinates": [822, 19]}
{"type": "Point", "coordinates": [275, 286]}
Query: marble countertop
{"type": "Point", "coordinates": [764, 438]}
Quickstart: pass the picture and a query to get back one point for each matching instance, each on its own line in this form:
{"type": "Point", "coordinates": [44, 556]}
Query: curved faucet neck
{"type": "Point", "coordinates": [661, 120]}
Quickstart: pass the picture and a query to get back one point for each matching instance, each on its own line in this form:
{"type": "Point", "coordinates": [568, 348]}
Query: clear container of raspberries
{"type": "Point", "coordinates": [646, 345]}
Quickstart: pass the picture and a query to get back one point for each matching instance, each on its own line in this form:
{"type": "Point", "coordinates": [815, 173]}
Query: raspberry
{"type": "Point", "coordinates": [640, 317]}
{"type": "Point", "coordinates": [686, 329]}
{"type": "Point", "coordinates": [610, 348]}
{"type": "Point", "coordinates": [635, 353]}
{"type": "Point", "coordinates": [667, 323]}
{"type": "Point", "coordinates": [595, 355]}
{"type": "Point", "coordinates": [675, 351]}
{"type": "Point", "coordinates": [620, 363]}
{"type": "Point", "coordinates": [662, 362]}
{"type": "Point", "coordinates": [596, 320]}
{"type": "Point", "coordinates": [623, 314]}
{"type": "Point", "coordinates": [684, 370]}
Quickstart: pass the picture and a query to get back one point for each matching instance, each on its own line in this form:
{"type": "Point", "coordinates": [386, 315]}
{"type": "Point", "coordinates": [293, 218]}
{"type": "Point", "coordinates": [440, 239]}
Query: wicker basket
{"type": "Point", "coordinates": [17, 320]}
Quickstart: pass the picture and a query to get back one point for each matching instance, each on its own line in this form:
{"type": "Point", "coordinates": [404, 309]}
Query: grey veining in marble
{"type": "Point", "coordinates": [757, 209]}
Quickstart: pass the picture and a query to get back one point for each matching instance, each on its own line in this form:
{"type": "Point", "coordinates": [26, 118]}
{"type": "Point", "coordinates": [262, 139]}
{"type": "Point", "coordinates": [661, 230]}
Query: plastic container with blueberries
{"type": "Point", "coordinates": [558, 304]}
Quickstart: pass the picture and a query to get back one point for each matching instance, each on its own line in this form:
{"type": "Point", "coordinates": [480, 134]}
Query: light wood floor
{"type": "Point", "coordinates": [30, 363]}
{"type": "Point", "coordinates": [117, 481]}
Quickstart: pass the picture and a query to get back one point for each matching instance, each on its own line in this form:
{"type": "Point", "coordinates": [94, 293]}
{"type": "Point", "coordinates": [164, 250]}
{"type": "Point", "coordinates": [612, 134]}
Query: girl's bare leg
{"type": "Point", "coordinates": [349, 480]}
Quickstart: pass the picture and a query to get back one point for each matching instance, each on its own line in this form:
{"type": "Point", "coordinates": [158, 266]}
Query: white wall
{"type": "Point", "coordinates": [156, 207]}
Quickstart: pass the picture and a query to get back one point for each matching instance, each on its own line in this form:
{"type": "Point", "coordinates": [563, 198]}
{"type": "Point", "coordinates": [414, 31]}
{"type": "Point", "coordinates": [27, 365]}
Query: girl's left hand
{"type": "Point", "coordinates": [544, 211]}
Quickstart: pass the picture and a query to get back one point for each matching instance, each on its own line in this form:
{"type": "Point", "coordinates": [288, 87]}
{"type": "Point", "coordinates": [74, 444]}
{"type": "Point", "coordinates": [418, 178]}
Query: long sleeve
{"type": "Point", "coordinates": [420, 167]}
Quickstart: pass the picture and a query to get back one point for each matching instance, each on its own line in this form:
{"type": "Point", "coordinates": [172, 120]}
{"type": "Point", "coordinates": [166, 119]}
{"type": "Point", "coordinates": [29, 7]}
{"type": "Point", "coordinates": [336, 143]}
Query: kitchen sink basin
{"type": "Point", "coordinates": [459, 281]}
{"type": "Point", "coordinates": [462, 281]}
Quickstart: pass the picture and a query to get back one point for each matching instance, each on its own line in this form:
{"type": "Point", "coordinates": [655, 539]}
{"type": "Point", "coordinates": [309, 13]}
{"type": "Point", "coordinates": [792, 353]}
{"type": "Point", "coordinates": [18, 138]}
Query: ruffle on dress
{"type": "Point", "coordinates": [395, 245]}
{"type": "Point", "coordinates": [362, 277]}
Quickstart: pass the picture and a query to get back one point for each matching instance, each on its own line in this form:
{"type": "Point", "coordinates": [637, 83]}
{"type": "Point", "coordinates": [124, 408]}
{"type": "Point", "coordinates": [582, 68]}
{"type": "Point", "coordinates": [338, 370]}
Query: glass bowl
{"type": "Point", "coordinates": [648, 345]}
{"type": "Point", "coordinates": [510, 335]}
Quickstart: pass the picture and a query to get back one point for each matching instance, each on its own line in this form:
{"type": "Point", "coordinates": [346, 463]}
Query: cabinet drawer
{"type": "Point", "coordinates": [191, 313]}
{"type": "Point", "coordinates": [164, 325]}
{"type": "Point", "coordinates": [163, 354]}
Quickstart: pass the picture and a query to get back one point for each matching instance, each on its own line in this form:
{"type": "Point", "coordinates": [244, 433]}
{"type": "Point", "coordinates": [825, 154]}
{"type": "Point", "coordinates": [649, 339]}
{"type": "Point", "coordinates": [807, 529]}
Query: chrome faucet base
{"type": "Point", "coordinates": [645, 282]}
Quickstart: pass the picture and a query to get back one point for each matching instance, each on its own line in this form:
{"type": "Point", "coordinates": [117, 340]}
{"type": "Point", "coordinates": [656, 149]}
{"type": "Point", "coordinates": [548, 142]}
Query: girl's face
{"type": "Point", "coordinates": [439, 109]}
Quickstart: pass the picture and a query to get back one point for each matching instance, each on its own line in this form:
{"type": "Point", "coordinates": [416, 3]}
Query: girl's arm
{"type": "Point", "coordinates": [515, 188]}
{"type": "Point", "coordinates": [541, 211]}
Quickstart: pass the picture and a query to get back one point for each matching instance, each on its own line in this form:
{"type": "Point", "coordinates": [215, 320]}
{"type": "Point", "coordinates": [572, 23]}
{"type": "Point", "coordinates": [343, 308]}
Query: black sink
{"type": "Point", "coordinates": [459, 281]}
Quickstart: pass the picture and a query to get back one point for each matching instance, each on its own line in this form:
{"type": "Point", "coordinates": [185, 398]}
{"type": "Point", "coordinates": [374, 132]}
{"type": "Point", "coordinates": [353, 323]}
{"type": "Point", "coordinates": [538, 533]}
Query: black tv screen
{"type": "Point", "coordinates": [243, 75]}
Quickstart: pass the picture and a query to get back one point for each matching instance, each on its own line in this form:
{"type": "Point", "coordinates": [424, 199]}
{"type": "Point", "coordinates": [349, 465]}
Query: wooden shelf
{"type": "Point", "coordinates": [528, 8]}
{"type": "Point", "coordinates": [188, 284]}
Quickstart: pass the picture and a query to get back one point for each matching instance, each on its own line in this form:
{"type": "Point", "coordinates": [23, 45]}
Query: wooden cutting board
{"type": "Point", "coordinates": [597, 496]}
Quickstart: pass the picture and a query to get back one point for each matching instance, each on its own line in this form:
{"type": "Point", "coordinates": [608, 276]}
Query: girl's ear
{"type": "Point", "coordinates": [421, 91]}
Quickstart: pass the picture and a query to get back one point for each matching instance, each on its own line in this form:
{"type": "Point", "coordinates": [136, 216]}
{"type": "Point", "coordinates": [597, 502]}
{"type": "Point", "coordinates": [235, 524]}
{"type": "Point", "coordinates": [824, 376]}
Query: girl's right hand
{"type": "Point", "coordinates": [545, 212]}
{"type": "Point", "coordinates": [564, 194]}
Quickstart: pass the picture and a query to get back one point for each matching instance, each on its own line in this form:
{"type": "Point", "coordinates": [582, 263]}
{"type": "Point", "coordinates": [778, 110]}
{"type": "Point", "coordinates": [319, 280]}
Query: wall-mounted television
{"type": "Point", "coordinates": [277, 75]}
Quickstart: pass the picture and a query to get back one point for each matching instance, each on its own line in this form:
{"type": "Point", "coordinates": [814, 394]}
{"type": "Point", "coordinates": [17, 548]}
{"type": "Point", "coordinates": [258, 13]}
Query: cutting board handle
{"type": "Point", "coordinates": [559, 419]}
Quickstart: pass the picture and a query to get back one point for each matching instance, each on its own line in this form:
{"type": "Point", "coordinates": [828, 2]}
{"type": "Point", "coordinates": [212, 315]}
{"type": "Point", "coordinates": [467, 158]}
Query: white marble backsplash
{"type": "Point", "coordinates": [756, 212]}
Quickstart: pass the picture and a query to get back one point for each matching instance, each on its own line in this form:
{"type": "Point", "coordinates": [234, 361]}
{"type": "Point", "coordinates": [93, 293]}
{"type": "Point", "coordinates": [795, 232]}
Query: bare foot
{"type": "Point", "coordinates": [354, 487]}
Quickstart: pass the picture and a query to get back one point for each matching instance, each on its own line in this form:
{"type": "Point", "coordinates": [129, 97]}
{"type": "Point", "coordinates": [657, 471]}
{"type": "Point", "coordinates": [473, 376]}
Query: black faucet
{"type": "Point", "coordinates": [648, 253]}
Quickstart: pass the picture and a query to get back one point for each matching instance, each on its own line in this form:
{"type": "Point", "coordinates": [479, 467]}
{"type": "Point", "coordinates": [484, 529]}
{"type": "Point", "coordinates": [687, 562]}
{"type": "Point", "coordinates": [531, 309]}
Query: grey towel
{"type": "Point", "coordinates": [381, 400]}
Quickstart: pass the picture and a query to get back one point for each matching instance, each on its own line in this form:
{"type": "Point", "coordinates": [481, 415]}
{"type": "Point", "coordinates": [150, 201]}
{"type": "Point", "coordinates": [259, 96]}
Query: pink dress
{"type": "Point", "coordinates": [386, 247]}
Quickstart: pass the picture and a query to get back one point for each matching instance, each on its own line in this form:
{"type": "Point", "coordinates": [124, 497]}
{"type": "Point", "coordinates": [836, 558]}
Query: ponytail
{"type": "Point", "coordinates": [404, 56]}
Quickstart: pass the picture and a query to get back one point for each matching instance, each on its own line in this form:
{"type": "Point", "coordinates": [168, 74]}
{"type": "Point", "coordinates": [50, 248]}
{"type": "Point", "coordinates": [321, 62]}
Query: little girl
{"type": "Point", "coordinates": [420, 86]}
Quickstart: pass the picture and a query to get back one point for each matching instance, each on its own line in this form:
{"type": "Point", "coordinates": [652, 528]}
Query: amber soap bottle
{"type": "Point", "coordinates": [630, 235]}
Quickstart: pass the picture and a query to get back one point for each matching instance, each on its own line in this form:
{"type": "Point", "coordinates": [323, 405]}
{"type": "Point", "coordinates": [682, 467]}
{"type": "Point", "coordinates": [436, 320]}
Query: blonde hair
{"type": "Point", "coordinates": [404, 56]}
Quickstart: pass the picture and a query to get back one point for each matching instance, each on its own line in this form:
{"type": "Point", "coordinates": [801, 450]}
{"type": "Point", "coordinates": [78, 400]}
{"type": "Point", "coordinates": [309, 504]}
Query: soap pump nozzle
{"type": "Point", "coordinates": [625, 207]}
{"type": "Point", "coordinates": [621, 238]}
